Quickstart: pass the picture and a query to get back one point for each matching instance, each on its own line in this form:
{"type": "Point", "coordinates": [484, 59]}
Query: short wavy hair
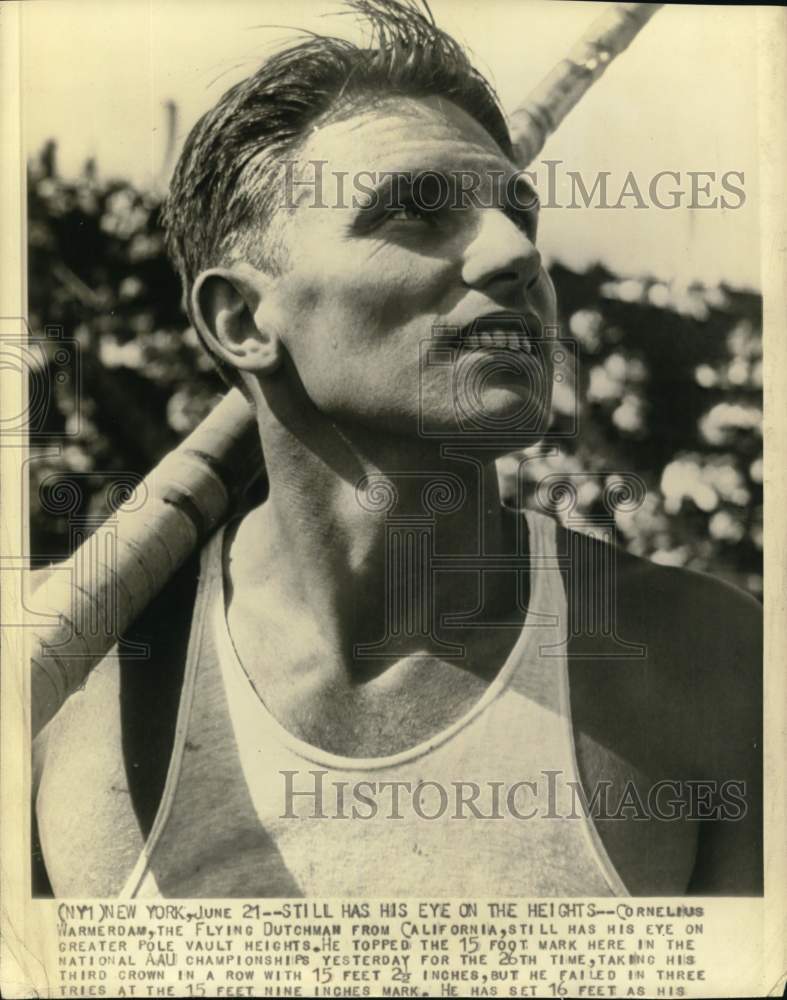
{"type": "Point", "coordinates": [219, 206]}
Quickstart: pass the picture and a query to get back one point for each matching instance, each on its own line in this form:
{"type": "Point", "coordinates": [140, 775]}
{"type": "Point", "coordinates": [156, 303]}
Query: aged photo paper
{"type": "Point", "coordinates": [392, 412]}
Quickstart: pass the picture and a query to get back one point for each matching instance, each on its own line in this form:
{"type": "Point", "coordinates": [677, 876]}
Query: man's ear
{"type": "Point", "coordinates": [224, 306]}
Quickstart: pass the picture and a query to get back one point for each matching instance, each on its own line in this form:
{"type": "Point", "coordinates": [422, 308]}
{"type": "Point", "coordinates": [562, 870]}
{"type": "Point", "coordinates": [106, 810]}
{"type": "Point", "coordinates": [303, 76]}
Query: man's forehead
{"type": "Point", "coordinates": [400, 134]}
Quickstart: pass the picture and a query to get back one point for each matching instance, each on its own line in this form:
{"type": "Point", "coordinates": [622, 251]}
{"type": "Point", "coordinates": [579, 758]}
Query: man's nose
{"type": "Point", "coordinates": [500, 254]}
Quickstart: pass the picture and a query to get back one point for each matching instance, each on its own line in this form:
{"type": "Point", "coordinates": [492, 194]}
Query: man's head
{"type": "Point", "coordinates": [346, 293]}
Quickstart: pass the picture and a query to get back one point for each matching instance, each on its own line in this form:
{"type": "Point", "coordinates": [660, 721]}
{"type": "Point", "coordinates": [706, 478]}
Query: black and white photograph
{"type": "Point", "coordinates": [393, 406]}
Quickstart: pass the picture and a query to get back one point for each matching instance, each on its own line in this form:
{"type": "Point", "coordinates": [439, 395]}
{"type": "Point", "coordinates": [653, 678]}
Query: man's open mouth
{"type": "Point", "coordinates": [501, 332]}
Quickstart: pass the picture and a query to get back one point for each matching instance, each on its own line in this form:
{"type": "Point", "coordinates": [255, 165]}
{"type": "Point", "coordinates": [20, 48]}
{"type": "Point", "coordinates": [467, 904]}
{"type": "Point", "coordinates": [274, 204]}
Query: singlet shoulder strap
{"type": "Point", "coordinates": [543, 533]}
{"type": "Point", "coordinates": [150, 689]}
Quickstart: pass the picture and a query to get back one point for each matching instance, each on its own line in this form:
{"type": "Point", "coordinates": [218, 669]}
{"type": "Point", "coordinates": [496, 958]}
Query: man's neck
{"type": "Point", "coordinates": [354, 543]}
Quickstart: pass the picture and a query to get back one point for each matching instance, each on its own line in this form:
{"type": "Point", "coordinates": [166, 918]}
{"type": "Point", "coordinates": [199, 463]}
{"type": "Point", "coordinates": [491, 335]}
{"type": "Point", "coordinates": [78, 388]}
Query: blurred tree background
{"type": "Point", "coordinates": [669, 383]}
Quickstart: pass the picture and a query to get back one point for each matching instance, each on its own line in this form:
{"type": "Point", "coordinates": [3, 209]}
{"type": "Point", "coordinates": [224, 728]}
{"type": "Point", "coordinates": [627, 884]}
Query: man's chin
{"type": "Point", "coordinates": [504, 418]}
{"type": "Point", "coordinates": [505, 406]}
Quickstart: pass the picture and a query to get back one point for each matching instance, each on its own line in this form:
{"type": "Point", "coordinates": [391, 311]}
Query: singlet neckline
{"type": "Point", "coordinates": [210, 626]}
{"type": "Point", "coordinates": [541, 531]}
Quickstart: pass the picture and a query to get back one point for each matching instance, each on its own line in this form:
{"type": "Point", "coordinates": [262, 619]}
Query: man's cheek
{"type": "Point", "coordinates": [394, 293]}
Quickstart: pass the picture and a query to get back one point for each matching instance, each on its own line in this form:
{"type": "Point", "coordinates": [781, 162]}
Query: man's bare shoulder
{"type": "Point", "coordinates": [88, 716]}
{"type": "Point", "coordinates": [85, 733]}
{"type": "Point", "coordinates": [682, 650]}
{"type": "Point", "coordinates": [672, 607]}
{"type": "Point", "coordinates": [668, 681]}
{"type": "Point", "coordinates": [130, 698]}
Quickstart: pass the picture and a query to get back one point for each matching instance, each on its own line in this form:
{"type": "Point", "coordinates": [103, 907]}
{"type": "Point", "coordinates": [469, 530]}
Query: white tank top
{"type": "Point", "coordinates": [488, 807]}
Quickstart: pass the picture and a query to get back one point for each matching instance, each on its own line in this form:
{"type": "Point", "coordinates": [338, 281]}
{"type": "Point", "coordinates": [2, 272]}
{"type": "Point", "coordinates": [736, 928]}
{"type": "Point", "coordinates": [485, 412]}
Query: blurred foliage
{"type": "Point", "coordinates": [667, 385]}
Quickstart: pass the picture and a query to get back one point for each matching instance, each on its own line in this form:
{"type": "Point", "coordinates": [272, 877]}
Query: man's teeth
{"type": "Point", "coordinates": [502, 340]}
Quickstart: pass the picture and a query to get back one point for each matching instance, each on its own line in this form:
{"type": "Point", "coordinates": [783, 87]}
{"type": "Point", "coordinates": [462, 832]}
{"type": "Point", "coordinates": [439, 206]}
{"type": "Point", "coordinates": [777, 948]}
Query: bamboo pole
{"type": "Point", "coordinates": [120, 569]}
{"type": "Point", "coordinates": [610, 34]}
{"type": "Point", "coordinates": [108, 582]}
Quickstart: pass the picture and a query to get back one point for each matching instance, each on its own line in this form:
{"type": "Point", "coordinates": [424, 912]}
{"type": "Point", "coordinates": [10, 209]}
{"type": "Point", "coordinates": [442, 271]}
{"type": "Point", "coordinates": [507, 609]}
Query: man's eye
{"type": "Point", "coordinates": [409, 213]}
{"type": "Point", "coordinates": [526, 219]}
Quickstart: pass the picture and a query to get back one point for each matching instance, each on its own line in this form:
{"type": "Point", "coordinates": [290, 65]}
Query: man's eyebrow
{"type": "Point", "coordinates": [386, 189]}
{"type": "Point", "coordinates": [381, 188]}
